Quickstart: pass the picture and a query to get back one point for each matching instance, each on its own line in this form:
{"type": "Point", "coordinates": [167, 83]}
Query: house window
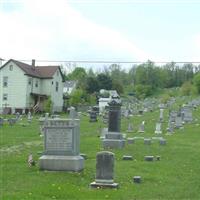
{"type": "Point", "coordinates": [52, 82]}
{"type": "Point", "coordinates": [5, 97]}
{"type": "Point", "coordinates": [36, 83]}
{"type": "Point", "coordinates": [29, 81]}
{"type": "Point", "coordinates": [11, 67]}
{"type": "Point", "coordinates": [5, 81]}
{"type": "Point", "coordinates": [56, 86]}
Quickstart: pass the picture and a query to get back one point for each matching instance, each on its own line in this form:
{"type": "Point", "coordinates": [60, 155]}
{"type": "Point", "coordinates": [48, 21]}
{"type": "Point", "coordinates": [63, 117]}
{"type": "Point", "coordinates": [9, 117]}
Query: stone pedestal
{"type": "Point", "coordinates": [113, 140]}
{"type": "Point", "coordinates": [61, 163]}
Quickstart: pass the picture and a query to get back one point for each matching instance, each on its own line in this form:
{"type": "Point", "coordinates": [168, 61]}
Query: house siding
{"type": "Point", "coordinates": [57, 96]}
{"type": "Point", "coordinates": [16, 89]}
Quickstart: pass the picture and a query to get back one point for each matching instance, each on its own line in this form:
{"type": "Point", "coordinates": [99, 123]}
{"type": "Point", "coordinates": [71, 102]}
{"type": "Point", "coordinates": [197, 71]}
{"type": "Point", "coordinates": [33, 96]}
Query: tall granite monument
{"type": "Point", "coordinates": [113, 138]}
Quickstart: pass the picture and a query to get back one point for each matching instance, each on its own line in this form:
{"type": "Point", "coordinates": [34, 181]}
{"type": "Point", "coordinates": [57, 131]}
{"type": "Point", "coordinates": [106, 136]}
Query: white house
{"type": "Point", "coordinates": [24, 86]}
{"type": "Point", "coordinates": [69, 86]}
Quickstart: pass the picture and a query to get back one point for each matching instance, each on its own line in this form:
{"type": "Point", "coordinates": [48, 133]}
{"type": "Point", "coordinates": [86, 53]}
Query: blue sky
{"type": "Point", "coordinates": [129, 30]}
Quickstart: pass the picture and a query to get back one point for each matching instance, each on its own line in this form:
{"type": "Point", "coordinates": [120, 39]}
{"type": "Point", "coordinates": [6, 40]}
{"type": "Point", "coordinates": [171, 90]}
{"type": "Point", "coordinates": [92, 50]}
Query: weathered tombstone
{"type": "Point", "coordinates": [178, 122]}
{"type": "Point", "coordinates": [137, 179]}
{"type": "Point", "coordinates": [125, 157]}
{"type": "Point", "coordinates": [140, 112]}
{"type": "Point", "coordinates": [42, 123]}
{"type": "Point", "coordinates": [93, 116]}
{"type": "Point", "coordinates": [29, 117]}
{"type": "Point", "coordinates": [147, 141]}
{"type": "Point", "coordinates": [130, 128]}
{"type": "Point", "coordinates": [130, 140]}
{"type": "Point", "coordinates": [172, 116]}
{"type": "Point", "coordinates": [17, 116]}
{"type": "Point", "coordinates": [104, 171]}
{"type": "Point", "coordinates": [148, 158]}
{"type": "Point", "coordinates": [158, 128]}
{"type": "Point", "coordinates": [162, 141]}
{"type": "Point", "coordinates": [170, 128]}
{"type": "Point", "coordinates": [113, 138]}
{"type": "Point", "coordinates": [11, 121]}
{"type": "Point", "coordinates": [161, 114]}
{"type": "Point", "coordinates": [141, 127]}
{"type": "Point", "coordinates": [61, 146]}
{"type": "Point", "coordinates": [187, 114]}
{"type": "Point", "coordinates": [72, 113]}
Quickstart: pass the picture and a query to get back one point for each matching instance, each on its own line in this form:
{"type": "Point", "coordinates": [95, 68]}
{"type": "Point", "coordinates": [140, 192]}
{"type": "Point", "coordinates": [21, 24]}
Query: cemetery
{"type": "Point", "coordinates": [82, 156]}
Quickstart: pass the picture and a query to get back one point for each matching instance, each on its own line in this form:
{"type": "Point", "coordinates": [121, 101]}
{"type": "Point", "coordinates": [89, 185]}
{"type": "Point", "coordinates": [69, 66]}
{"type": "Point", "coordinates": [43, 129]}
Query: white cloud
{"type": "Point", "coordinates": [196, 47]}
{"type": "Point", "coordinates": [54, 30]}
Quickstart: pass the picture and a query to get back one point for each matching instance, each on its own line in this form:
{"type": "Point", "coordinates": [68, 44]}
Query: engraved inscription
{"type": "Point", "coordinates": [59, 140]}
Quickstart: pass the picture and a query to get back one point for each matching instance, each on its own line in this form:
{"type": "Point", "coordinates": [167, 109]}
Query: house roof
{"type": "Point", "coordinates": [38, 71]}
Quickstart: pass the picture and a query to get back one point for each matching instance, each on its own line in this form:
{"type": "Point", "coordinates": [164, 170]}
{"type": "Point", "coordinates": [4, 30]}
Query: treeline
{"type": "Point", "coordinates": [140, 80]}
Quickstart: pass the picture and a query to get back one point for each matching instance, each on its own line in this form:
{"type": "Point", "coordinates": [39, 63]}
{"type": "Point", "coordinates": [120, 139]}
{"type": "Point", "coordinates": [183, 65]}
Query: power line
{"type": "Point", "coordinates": [111, 61]}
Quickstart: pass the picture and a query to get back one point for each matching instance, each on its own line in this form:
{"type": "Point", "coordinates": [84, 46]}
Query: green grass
{"type": "Point", "coordinates": [176, 176]}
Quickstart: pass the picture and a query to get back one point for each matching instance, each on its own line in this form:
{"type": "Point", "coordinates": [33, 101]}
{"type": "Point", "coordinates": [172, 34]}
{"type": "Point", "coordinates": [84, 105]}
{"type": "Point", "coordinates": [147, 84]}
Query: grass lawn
{"type": "Point", "coordinates": [175, 176]}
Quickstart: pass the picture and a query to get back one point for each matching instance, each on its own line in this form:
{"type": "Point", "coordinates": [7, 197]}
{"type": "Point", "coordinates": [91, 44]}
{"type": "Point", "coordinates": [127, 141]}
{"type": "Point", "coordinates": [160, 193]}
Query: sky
{"type": "Point", "coordinates": [103, 30]}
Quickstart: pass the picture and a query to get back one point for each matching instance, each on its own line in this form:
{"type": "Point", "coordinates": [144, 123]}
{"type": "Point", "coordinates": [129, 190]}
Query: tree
{"type": "Point", "coordinates": [116, 85]}
{"type": "Point", "coordinates": [104, 81]}
{"type": "Point", "coordinates": [92, 85]}
{"type": "Point", "coordinates": [196, 81]}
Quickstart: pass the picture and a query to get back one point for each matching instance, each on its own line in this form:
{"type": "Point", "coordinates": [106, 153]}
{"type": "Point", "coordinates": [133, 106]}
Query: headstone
{"type": "Point", "coordinates": [172, 116]}
{"type": "Point", "coordinates": [104, 171]}
{"type": "Point", "coordinates": [130, 140]}
{"type": "Point", "coordinates": [162, 141]}
{"type": "Point", "coordinates": [178, 122]}
{"type": "Point", "coordinates": [147, 141]}
{"type": "Point", "coordinates": [72, 113]}
{"type": "Point", "coordinates": [130, 128]}
{"type": "Point", "coordinates": [158, 128]}
{"type": "Point", "coordinates": [17, 115]}
{"type": "Point", "coordinates": [187, 114]}
{"type": "Point", "coordinates": [43, 122]}
{"type": "Point", "coordinates": [11, 121]}
{"type": "Point", "coordinates": [170, 128]}
{"type": "Point", "coordinates": [61, 146]}
{"type": "Point", "coordinates": [113, 138]}
{"type": "Point", "coordinates": [148, 158]}
{"type": "Point", "coordinates": [140, 112]}
{"type": "Point", "coordinates": [29, 117]}
{"type": "Point", "coordinates": [125, 157]}
{"type": "Point", "coordinates": [161, 114]}
{"type": "Point", "coordinates": [93, 116]}
{"type": "Point", "coordinates": [137, 179]}
{"type": "Point", "coordinates": [141, 127]}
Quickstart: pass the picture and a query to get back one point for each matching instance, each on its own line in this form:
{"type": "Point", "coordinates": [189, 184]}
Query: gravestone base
{"type": "Point", "coordinates": [158, 132]}
{"type": "Point", "coordinates": [113, 140]}
{"type": "Point", "coordinates": [113, 143]}
{"type": "Point", "coordinates": [61, 163]}
{"type": "Point", "coordinates": [105, 184]}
